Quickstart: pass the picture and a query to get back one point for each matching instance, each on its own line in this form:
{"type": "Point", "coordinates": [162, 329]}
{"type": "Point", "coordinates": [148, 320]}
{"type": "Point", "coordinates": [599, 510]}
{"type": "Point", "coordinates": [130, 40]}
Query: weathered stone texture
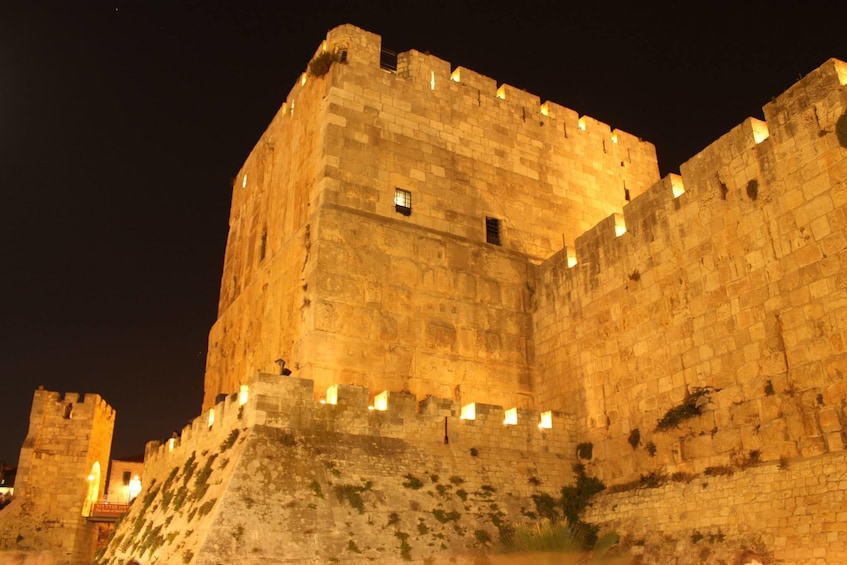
{"type": "Point", "coordinates": [789, 513]}
{"type": "Point", "coordinates": [726, 285]}
{"type": "Point", "coordinates": [321, 270]}
{"type": "Point", "coordinates": [729, 277]}
{"type": "Point", "coordinates": [284, 479]}
{"type": "Point", "coordinates": [69, 440]}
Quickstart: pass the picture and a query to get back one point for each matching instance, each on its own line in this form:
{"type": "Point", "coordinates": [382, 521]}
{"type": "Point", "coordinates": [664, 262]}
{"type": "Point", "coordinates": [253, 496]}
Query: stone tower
{"type": "Point", "coordinates": [386, 228]}
{"type": "Point", "coordinates": [61, 474]}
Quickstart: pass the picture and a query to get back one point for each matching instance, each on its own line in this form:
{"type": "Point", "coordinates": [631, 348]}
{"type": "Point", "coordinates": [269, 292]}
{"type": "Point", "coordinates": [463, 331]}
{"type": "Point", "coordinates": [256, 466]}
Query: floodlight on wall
{"type": "Point", "coordinates": [381, 401]}
{"type": "Point", "coordinates": [841, 71]}
{"type": "Point", "coordinates": [760, 130]}
{"type": "Point", "coordinates": [620, 225]}
{"type": "Point", "coordinates": [211, 417]}
{"type": "Point", "coordinates": [501, 92]}
{"type": "Point", "coordinates": [677, 187]}
{"type": "Point", "coordinates": [545, 109]}
{"type": "Point", "coordinates": [171, 443]}
{"type": "Point", "coordinates": [581, 124]}
{"type": "Point", "coordinates": [244, 181]}
{"type": "Point", "coordinates": [243, 395]}
{"type": "Point", "coordinates": [510, 417]}
{"type": "Point", "coordinates": [134, 487]}
{"type": "Point", "coordinates": [432, 80]}
{"type": "Point", "coordinates": [546, 422]}
{"type": "Point", "coordinates": [455, 76]}
{"type": "Point", "coordinates": [469, 411]}
{"type": "Point", "coordinates": [614, 138]}
{"type": "Point", "coordinates": [332, 395]}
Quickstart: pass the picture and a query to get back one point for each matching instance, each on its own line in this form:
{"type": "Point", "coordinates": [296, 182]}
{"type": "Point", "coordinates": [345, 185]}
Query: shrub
{"type": "Point", "coordinates": [690, 407]}
{"type": "Point", "coordinates": [634, 438]}
{"type": "Point", "coordinates": [412, 482]}
{"type": "Point", "coordinates": [320, 65]}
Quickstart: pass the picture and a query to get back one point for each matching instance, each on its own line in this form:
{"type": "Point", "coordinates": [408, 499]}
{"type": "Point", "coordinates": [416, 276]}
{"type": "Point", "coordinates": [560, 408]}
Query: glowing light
{"type": "Point", "coordinates": [545, 109]}
{"type": "Point", "coordinates": [571, 258]}
{"type": "Point", "coordinates": [501, 92]}
{"type": "Point", "coordinates": [292, 108]}
{"type": "Point", "coordinates": [371, 408]}
{"type": "Point", "coordinates": [244, 181]}
{"type": "Point", "coordinates": [302, 79]}
{"type": "Point", "coordinates": [469, 411]}
{"type": "Point", "coordinates": [332, 395]}
{"type": "Point", "coordinates": [381, 401]}
{"type": "Point", "coordinates": [581, 124]}
{"type": "Point", "coordinates": [93, 489]}
{"type": "Point", "coordinates": [841, 71]}
{"type": "Point", "coordinates": [134, 487]}
{"type": "Point", "coordinates": [322, 401]}
{"type": "Point", "coordinates": [211, 417]}
{"type": "Point", "coordinates": [760, 131]}
{"type": "Point", "coordinates": [456, 76]}
{"type": "Point", "coordinates": [614, 138]}
{"type": "Point", "coordinates": [171, 443]}
{"type": "Point", "coordinates": [620, 226]}
{"type": "Point", "coordinates": [432, 80]}
{"type": "Point", "coordinates": [243, 395]}
{"type": "Point", "coordinates": [511, 417]}
{"type": "Point", "coordinates": [677, 187]}
{"type": "Point", "coordinates": [546, 420]}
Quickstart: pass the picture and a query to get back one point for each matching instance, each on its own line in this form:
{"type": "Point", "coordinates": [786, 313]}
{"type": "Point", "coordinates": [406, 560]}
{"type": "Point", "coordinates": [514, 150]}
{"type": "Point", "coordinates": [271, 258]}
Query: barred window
{"type": "Point", "coordinates": [403, 201]}
{"type": "Point", "coordinates": [492, 230]}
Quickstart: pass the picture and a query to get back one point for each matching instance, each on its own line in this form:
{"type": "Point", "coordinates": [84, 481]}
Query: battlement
{"type": "Point", "coordinates": [365, 48]}
{"type": "Point", "coordinates": [71, 405]}
{"type": "Point", "coordinates": [704, 281]}
{"type": "Point", "coordinates": [755, 150]}
{"type": "Point", "coordinates": [289, 403]}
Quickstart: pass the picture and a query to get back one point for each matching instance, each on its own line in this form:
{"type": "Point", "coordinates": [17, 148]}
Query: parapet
{"type": "Point", "coordinates": [70, 405]}
{"type": "Point", "coordinates": [756, 153]}
{"type": "Point", "coordinates": [289, 403]}
{"type": "Point", "coordinates": [361, 48]}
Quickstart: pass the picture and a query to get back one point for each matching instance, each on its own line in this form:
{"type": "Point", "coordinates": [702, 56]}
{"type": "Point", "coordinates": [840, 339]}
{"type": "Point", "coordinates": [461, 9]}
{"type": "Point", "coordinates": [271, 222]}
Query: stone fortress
{"type": "Point", "coordinates": [61, 472]}
{"type": "Point", "coordinates": [473, 290]}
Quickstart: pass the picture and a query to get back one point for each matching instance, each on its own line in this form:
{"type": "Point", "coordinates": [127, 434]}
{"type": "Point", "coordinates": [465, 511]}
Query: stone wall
{"type": "Point", "coordinates": [284, 479]}
{"type": "Point", "coordinates": [773, 513]}
{"type": "Point", "coordinates": [466, 150]}
{"type": "Point", "coordinates": [69, 439]}
{"type": "Point", "coordinates": [730, 276]}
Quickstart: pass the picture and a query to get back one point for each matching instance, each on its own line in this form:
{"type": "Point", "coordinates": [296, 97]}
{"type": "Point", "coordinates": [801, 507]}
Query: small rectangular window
{"type": "Point", "coordinates": [492, 230]}
{"type": "Point", "coordinates": [403, 202]}
{"type": "Point", "coordinates": [127, 476]}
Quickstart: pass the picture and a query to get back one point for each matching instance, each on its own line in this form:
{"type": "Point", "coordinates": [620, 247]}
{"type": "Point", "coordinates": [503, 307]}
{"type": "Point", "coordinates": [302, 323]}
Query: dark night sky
{"type": "Point", "coordinates": [122, 123]}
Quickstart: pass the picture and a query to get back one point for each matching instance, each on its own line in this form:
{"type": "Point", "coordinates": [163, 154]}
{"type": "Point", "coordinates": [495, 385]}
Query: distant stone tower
{"type": "Point", "coordinates": [61, 474]}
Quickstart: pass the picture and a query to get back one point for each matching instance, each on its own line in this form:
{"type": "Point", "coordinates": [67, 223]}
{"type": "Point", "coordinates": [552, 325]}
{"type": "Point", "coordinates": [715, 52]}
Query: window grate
{"type": "Point", "coordinates": [403, 201]}
{"type": "Point", "coordinates": [492, 230]}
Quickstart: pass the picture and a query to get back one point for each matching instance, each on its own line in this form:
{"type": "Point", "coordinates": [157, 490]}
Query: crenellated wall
{"type": "Point", "coordinates": [279, 477]}
{"type": "Point", "coordinates": [737, 283]}
{"type": "Point", "coordinates": [61, 472]}
{"type": "Point", "coordinates": [466, 150]}
{"type": "Point", "coordinates": [612, 296]}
